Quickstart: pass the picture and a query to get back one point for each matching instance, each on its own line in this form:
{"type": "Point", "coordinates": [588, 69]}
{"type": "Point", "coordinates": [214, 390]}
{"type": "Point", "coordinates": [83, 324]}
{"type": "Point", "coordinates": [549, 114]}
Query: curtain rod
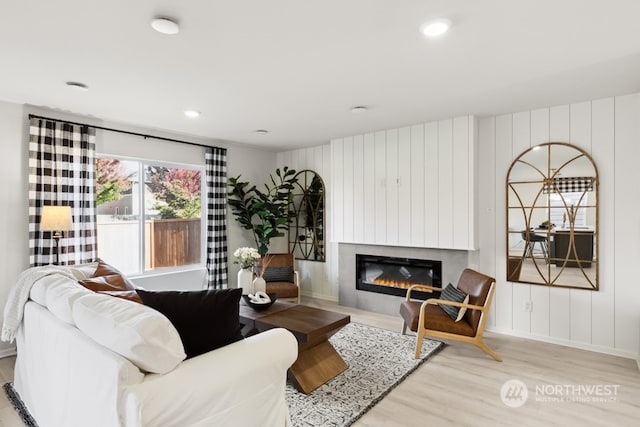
{"type": "Point", "coordinates": [145, 136]}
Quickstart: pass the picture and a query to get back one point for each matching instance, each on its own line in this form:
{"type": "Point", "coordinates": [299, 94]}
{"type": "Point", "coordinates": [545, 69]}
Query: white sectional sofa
{"type": "Point", "coordinates": [83, 359]}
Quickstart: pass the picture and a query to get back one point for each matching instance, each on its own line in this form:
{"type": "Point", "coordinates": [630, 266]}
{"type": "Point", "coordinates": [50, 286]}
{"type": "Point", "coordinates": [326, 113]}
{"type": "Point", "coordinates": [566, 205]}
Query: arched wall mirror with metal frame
{"type": "Point", "coordinates": [306, 230]}
{"type": "Point", "coordinates": [552, 217]}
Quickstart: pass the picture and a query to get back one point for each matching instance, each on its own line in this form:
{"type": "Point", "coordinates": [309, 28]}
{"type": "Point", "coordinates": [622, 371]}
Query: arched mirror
{"type": "Point", "coordinates": [552, 217]}
{"type": "Point", "coordinates": [306, 230]}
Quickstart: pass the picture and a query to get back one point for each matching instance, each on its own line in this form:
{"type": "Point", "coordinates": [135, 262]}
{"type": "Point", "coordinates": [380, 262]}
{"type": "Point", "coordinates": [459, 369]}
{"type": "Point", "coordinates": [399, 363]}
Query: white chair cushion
{"type": "Point", "coordinates": [136, 332]}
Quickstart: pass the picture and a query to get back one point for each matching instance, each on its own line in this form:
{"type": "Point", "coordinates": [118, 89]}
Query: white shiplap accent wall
{"type": "Point", "coordinates": [607, 320]}
{"type": "Point", "coordinates": [412, 186]}
{"type": "Point", "coordinates": [320, 279]}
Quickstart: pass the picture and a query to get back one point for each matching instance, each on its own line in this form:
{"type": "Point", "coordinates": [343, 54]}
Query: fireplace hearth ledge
{"type": "Point", "coordinates": [453, 262]}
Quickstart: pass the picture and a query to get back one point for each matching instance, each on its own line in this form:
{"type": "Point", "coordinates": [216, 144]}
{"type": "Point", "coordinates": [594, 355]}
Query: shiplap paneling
{"type": "Point", "coordinates": [348, 191]}
{"type": "Point", "coordinates": [445, 184]}
{"type": "Point", "coordinates": [380, 176]}
{"type": "Point", "coordinates": [607, 320]}
{"type": "Point", "coordinates": [337, 191]}
{"type": "Point", "coordinates": [540, 296]}
{"type": "Point", "coordinates": [431, 185]}
{"type": "Point", "coordinates": [603, 302]}
{"type": "Point", "coordinates": [521, 141]}
{"type": "Point", "coordinates": [391, 163]}
{"type": "Point", "coordinates": [560, 301]}
{"type": "Point", "coordinates": [358, 188]}
{"type": "Point", "coordinates": [461, 166]}
{"type": "Point", "coordinates": [417, 165]}
{"type": "Point", "coordinates": [627, 225]}
{"type": "Point", "coordinates": [369, 195]}
{"type": "Point", "coordinates": [404, 186]}
{"type": "Point", "coordinates": [317, 278]}
{"type": "Point", "coordinates": [486, 206]}
{"type": "Point", "coordinates": [580, 130]}
{"type": "Point", "coordinates": [504, 291]}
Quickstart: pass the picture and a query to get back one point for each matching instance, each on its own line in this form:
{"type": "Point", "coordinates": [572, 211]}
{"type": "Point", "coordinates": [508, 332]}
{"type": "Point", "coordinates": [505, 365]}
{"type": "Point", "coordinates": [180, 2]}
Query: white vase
{"type": "Point", "coordinates": [259, 285]}
{"type": "Point", "coordinates": [245, 280]}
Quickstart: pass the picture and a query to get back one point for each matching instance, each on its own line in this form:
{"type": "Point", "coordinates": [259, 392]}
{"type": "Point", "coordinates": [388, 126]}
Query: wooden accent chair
{"type": "Point", "coordinates": [426, 318]}
{"type": "Point", "coordinates": [281, 276]}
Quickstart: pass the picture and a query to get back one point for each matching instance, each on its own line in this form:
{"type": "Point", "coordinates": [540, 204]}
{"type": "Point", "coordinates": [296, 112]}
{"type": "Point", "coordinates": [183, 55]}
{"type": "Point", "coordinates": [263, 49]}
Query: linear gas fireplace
{"type": "Point", "coordinates": [393, 276]}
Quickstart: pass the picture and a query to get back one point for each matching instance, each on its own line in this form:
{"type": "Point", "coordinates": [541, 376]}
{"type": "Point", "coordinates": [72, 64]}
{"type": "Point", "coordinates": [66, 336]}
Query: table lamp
{"type": "Point", "coordinates": [56, 219]}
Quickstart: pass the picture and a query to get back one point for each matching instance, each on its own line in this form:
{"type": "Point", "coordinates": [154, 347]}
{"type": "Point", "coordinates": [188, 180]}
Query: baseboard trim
{"type": "Point", "coordinates": [320, 296]}
{"type": "Point", "coordinates": [7, 352]}
{"type": "Point", "coordinates": [559, 341]}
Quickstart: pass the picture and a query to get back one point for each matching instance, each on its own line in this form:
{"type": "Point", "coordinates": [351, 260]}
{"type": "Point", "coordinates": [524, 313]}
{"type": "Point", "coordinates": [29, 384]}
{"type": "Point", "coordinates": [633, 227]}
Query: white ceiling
{"type": "Point", "coordinates": [296, 67]}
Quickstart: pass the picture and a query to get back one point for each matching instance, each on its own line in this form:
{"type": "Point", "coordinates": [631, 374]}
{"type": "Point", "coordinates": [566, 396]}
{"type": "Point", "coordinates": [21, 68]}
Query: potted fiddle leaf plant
{"type": "Point", "coordinates": [266, 213]}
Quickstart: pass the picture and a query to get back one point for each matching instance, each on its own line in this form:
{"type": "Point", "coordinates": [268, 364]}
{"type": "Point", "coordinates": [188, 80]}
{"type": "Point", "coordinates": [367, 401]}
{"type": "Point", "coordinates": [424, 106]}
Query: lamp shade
{"type": "Point", "coordinates": [55, 218]}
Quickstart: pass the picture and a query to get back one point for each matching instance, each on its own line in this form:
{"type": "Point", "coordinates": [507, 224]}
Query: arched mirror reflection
{"type": "Point", "coordinates": [552, 217]}
{"type": "Point", "coordinates": [306, 230]}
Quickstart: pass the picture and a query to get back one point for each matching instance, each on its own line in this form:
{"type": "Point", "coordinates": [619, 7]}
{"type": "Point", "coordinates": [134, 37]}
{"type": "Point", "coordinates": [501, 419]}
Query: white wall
{"type": "Point", "coordinates": [607, 320]}
{"type": "Point", "coordinates": [14, 218]}
{"type": "Point", "coordinates": [253, 164]}
{"type": "Point", "coordinates": [318, 279]}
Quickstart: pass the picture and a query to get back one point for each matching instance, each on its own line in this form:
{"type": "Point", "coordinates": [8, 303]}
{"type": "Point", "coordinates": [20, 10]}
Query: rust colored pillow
{"type": "Point", "coordinates": [112, 282]}
{"type": "Point", "coordinates": [129, 295]}
{"type": "Point", "coordinates": [105, 269]}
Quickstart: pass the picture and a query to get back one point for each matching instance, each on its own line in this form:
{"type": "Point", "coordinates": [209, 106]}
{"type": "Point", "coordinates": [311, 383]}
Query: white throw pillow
{"type": "Point", "coordinates": [139, 333]}
{"type": "Point", "coordinates": [61, 293]}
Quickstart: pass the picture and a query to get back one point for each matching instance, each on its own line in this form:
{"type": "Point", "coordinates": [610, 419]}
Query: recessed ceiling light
{"type": "Point", "coordinates": [78, 86]}
{"type": "Point", "coordinates": [359, 109]}
{"type": "Point", "coordinates": [165, 26]}
{"type": "Point", "coordinates": [191, 113]}
{"type": "Point", "coordinates": [262, 131]}
{"type": "Point", "coordinates": [435, 28]}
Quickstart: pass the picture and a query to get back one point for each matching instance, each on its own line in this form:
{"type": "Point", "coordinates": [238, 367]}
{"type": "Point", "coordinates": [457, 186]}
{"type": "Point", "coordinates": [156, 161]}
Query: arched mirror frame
{"type": "Point", "coordinates": [307, 228]}
{"type": "Point", "coordinates": [568, 255]}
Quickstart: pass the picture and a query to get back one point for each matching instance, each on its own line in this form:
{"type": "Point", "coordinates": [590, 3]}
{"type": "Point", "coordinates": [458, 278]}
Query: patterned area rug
{"type": "Point", "coordinates": [19, 405]}
{"type": "Point", "coordinates": [378, 361]}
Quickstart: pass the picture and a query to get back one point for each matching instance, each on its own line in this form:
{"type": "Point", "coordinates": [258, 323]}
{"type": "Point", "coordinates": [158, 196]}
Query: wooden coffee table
{"type": "Point", "coordinates": [318, 361]}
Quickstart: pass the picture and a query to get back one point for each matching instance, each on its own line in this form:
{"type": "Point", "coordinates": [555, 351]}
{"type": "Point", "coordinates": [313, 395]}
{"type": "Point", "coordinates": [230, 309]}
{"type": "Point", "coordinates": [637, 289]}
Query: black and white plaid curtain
{"type": "Point", "coordinates": [61, 173]}
{"type": "Point", "coordinates": [216, 165]}
{"type": "Point", "coordinates": [575, 184]}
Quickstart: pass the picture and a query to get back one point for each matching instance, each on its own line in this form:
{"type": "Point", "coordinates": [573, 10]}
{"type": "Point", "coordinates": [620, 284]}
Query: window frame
{"type": "Point", "coordinates": [142, 163]}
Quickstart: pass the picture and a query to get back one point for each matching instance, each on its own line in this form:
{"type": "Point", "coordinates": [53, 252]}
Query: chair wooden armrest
{"type": "Point", "coordinates": [296, 281]}
{"type": "Point", "coordinates": [425, 288]}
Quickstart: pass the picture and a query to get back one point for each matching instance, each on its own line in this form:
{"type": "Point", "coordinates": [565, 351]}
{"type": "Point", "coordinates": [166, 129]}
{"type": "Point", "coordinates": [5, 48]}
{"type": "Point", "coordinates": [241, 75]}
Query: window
{"type": "Point", "coordinates": [168, 232]}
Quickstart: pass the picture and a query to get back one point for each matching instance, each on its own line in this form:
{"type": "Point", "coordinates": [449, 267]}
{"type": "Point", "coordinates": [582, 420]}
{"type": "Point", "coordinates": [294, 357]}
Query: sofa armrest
{"type": "Point", "coordinates": [240, 384]}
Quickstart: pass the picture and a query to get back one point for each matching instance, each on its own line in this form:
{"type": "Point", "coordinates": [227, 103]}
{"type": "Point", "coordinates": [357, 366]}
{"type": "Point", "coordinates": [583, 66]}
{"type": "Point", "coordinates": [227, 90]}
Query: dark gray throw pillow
{"type": "Point", "coordinates": [278, 274]}
{"type": "Point", "coordinates": [451, 293]}
{"type": "Point", "coordinates": [205, 320]}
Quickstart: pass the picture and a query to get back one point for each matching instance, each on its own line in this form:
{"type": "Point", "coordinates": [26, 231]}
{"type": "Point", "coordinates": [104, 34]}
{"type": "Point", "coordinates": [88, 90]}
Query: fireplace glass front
{"type": "Point", "coordinates": [393, 276]}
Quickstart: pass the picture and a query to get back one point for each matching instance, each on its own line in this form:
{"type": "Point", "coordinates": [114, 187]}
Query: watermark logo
{"type": "Point", "coordinates": [577, 393]}
{"type": "Point", "coordinates": [514, 393]}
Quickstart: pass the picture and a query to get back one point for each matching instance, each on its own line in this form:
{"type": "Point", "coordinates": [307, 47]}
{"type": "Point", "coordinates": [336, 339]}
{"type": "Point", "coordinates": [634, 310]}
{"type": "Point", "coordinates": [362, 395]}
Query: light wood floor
{"type": "Point", "coordinates": [460, 386]}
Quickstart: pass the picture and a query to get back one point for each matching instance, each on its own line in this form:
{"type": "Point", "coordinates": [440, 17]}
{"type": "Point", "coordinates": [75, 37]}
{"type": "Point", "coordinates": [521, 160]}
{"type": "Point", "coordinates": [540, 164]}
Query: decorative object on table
{"type": "Point", "coordinates": [56, 219]}
{"type": "Point", "coordinates": [267, 214]}
{"type": "Point", "coordinates": [378, 361]}
{"type": "Point", "coordinates": [246, 258]}
{"type": "Point", "coordinates": [260, 300]}
{"type": "Point", "coordinates": [259, 283]}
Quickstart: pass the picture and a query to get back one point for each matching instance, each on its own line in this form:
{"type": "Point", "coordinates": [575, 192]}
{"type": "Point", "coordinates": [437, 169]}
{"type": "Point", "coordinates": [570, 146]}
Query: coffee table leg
{"type": "Point", "coordinates": [315, 366]}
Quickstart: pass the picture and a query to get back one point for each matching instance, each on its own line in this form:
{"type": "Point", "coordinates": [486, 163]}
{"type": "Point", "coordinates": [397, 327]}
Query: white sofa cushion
{"type": "Point", "coordinates": [61, 293]}
{"type": "Point", "coordinates": [136, 332]}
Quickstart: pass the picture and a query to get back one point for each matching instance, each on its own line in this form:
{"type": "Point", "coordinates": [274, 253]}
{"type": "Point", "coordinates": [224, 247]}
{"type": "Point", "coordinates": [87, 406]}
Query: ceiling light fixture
{"type": "Point", "coordinates": [359, 109]}
{"type": "Point", "coordinates": [261, 131]}
{"type": "Point", "coordinates": [78, 86]}
{"type": "Point", "coordinates": [435, 28]}
{"type": "Point", "coordinates": [165, 26]}
{"type": "Point", "coordinates": [191, 113]}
